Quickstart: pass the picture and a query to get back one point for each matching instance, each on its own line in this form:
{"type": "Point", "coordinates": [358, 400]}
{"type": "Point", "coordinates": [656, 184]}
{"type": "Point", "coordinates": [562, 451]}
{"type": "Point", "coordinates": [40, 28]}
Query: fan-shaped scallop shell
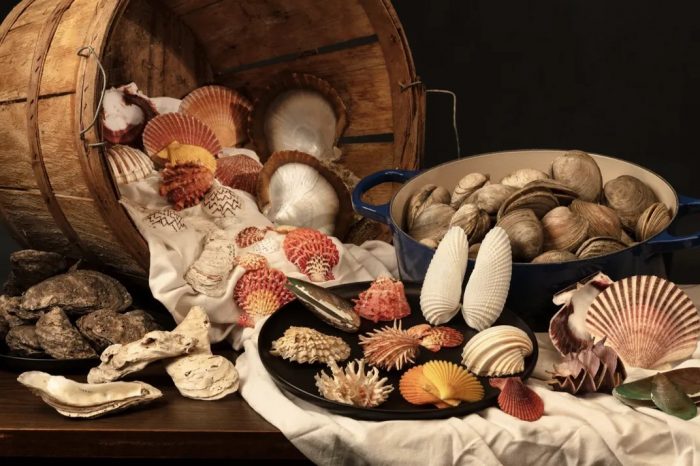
{"type": "Point", "coordinates": [259, 293]}
{"type": "Point", "coordinates": [353, 385]}
{"type": "Point", "coordinates": [306, 345]}
{"type": "Point", "coordinates": [222, 201]}
{"type": "Point", "coordinates": [239, 172]}
{"type": "Point", "coordinates": [649, 321]}
{"type": "Point", "coordinates": [453, 383]}
{"type": "Point", "coordinates": [497, 351]}
{"type": "Point", "coordinates": [251, 261]}
{"type": "Point", "coordinates": [390, 347]}
{"type": "Point", "coordinates": [185, 129]}
{"type": "Point", "coordinates": [436, 338]}
{"type": "Point", "coordinates": [314, 254]}
{"type": "Point", "coordinates": [128, 164]}
{"type": "Point", "coordinates": [488, 285]}
{"type": "Point", "coordinates": [418, 390]}
{"type": "Point", "coordinates": [184, 185]}
{"type": "Point", "coordinates": [517, 399]}
{"type": "Point", "coordinates": [223, 110]}
{"type": "Point", "coordinates": [249, 236]}
{"type": "Point", "coordinates": [298, 112]}
{"type": "Point", "coordinates": [442, 287]}
{"type": "Point", "coordinates": [385, 299]}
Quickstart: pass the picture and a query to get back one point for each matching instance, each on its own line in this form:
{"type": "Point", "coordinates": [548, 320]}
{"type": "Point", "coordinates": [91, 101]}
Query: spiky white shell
{"type": "Point", "coordinates": [442, 287]}
{"type": "Point", "coordinates": [301, 196]}
{"type": "Point", "coordinates": [353, 385]}
{"type": "Point", "coordinates": [647, 320]}
{"type": "Point", "coordinates": [487, 288]}
{"type": "Point", "coordinates": [497, 351]}
{"type": "Point", "coordinates": [306, 345]}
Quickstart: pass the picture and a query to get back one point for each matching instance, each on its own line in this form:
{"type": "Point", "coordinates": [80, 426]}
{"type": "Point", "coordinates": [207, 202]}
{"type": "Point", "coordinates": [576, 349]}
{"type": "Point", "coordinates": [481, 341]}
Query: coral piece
{"type": "Point", "coordinates": [251, 261]}
{"type": "Point", "coordinates": [259, 293]}
{"type": "Point", "coordinates": [23, 341]}
{"type": "Point", "coordinates": [453, 383]}
{"type": "Point", "coordinates": [497, 351]}
{"type": "Point", "coordinates": [306, 345]}
{"type": "Point", "coordinates": [166, 219]}
{"type": "Point", "coordinates": [178, 127]}
{"type": "Point", "coordinates": [128, 164]}
{"type": "Point", "coordinates": [106, 327]}
{"type": "Point", "coordinates": [60, 339]}
{"type": "Point", "coordinates": [353, 385]}
{"type": "Point", "coordinates": [125, 111]}
{"type": "Point", "coordinates": [437, 338]}
{"type": "Point", "coordinates": [204, 377]}
{"type": "Point", "coordinates": [517, 399]}
{"type": "Point", "coordinates": [385, 299]}
{"type": "Point", "coordinates": [238, 172]}
{"type": "Point", "coordinates": [314, 254]}
{"type": "Point", "coordinates": [390, 348]}
{"type": "Point", "coordinates": [594, 369]}
{"type": "Point", "coordinates": [185, 185]}
{"type": "Point", "coordinates": [649, 321]}
{"type": "Point", "coordinates": [81, 400]}
{"type": "Point", "coordinates": [209, 273]}
{"type": "Point", "coordinates": [334, 310]}
{"type": "Point", "coordinates": [249, 236]}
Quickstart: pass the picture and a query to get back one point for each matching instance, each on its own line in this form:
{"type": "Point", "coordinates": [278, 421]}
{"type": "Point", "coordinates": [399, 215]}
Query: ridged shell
{"type": "Point", "coordinates": [488, 285]}
{"type": "Point", "coordinates": [554, 256]}
{"type": "Point", "coordinates": [466, 187]}
{"type": "Point", "coordinates": [314, 254]}
{"type": "Point", "coordinates": [497, 351]}
{"type": "Point", "coordinates": [295, 189]}
{"type": "Point", "coordinates": [442, 287]}
{"type": "Point", "coordinates": [564, 229]}
{"type": "Point", "coordinates": [209, 273]}
{"type": "Point", "coordinates": [649, 321]}
{"type": "Point", "coordinates": [417, 389]}
{"type": "Point", "coordinates": [652, 221]}
{"type": "Point", "coordinates": [440, 337]}
{"type": "Point", "coordinates": [306, 345]}
{"type": "Point", "coordinates": [298, 112]}
{"type": "Point", "coordinates": [185, 129]}
{"type": "Point", "coordinates": [259, 293]}
{"type": "Point", "coordinates": [390, 348]}
{"type": "Point", "coordinates": [580, 172]}
{"type": "Point", "coordinates": [353, 385]}
{"type": "Point", "coordinates": [525, 233]}
{"type": "Point", "coordinates": [599, 246]}
{"type": "Point", "coordinates": [453, 383]}
{"type": "Point", "coordinates": [629, 197]}
{"type": "Point", "coordinates": [239, 172]}
{"type": "Point", "coordinates": [595, 368]}
{"type": "Point", "coordinates": [519, 178]}
{"type": "Point", "coordinates": [518, 400]}
{"type": "Point", "coordinates": [331, 308]}
{"type": "Point", "coordinates": [221, 201]}
{"type": "Point", "coordinates": [251, 261]}
{"type": "Point", "coordinates": [185, 185]}
{"type": "Point", "coordinates": [223, 110]}
{"type": "Point", "coordinates": [385, 299]}
{"type": "Point", "coordinates": [128, 164]}
{"type": "Point", "coordinates": [249, 236]}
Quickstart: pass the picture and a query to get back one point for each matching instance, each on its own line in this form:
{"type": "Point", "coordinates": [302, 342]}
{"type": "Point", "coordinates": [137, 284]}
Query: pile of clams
{"type": "Point", "coordinates": [564, 215]}
{"type": "Point", "coordinates": [49, 311]}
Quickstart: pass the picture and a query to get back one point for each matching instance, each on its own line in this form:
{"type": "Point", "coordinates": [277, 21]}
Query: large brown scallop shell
{"type": "Point", "coordinates": [185, 129]}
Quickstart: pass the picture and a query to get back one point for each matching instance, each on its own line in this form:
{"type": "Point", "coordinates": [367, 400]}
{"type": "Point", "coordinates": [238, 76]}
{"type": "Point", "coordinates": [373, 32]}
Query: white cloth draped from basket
{"type": "Point", "coordinates": [172, 252]}
{"type": "Point", "coordinates": [590, 429]}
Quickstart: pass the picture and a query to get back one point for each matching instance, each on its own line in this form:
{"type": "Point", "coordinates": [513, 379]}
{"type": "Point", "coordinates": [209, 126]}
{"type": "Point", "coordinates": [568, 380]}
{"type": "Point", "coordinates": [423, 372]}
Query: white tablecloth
{"type": "Point", "coordinates": [590, 429]}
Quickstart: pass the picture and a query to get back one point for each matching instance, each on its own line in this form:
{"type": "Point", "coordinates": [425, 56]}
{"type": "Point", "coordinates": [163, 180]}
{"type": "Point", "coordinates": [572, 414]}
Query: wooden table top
{"type": "Point", "coordinates": [171, 427]}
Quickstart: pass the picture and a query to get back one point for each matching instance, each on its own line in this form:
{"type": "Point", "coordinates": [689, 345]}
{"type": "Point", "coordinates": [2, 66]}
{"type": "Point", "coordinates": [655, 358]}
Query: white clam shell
{"type": "Point", "coordinates": [487, 288]}
{"type": "Point", "coordinates": [497, 351]}
{"type": "Point", "coordinates": [442, 287]}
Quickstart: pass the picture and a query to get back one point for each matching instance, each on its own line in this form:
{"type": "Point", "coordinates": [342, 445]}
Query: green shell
{"type": "Point", "coordinates": [671, 399]}
{"type": "Point", "coordinates": [687, 379]}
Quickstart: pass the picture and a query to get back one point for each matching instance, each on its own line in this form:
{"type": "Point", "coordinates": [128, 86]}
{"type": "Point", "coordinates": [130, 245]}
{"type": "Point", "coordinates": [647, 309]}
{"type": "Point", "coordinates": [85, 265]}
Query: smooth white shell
{"type": "Point", "coordinates": [488, 285]}
{"type": "Point", "coordinates": [442, 287]}
{"type": "Point", "coordinates": [497, 351]}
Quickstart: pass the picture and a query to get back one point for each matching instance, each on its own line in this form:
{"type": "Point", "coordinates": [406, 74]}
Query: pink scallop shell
{"type": "Point", "coordinates": [517, 399]}
{"type": "Point", "coordinates": [441, 337]}
{"type": "Point", "coordinates": [385, 299]}
{"type": "Point", "coordinates": [312, 252]}
{"type": "Point", "coordinates": [249, 236]}
{"type": "Point", "coordinates": [238, 172]}
{"type": "Point", "coordinates": [259, 293]}
{"type": "Point", "coordinates": [185, 129]}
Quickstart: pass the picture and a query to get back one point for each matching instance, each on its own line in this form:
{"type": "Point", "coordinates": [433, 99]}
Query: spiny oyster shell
{"type": "Point", "coordinates": [259, 293]}
{"type": "Point", "coordinates": [80, 400]}
{"type": "Point", "coordinates": [185, 184]}
{"type": "Point", "coordinates": [77, 292]}
{"type": "Point", "coordinates": [60, 339]}
{"type": "Point", "coordinates": [488, 285]}
{"type": "Point", "coordinates": [312, 252]}
{"type": "Point", "coordinates": [442, 287]}
{"type": "Point", "coordinates": [209, 273]}
{"type": "Point", "coordinates": [497, 351]}
{"type": "Point", "coordinates": [306, 345]}
{"type": "Point", "coordinates": [353, 385]}
{"type": "Point", "coordinates": [385, 299]}
{"type": "Point", "coordinates": [390, 348]}
{"type": "Point", "coordinates": [106, 327]}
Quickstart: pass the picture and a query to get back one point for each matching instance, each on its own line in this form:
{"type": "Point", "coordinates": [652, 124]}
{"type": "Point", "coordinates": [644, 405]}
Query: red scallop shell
{"type": "Point", "coordinates": [185, 184]}
{"type": "Point", "coordinates": [441, 337]}
{"type": "Point", "coordinates": [385, 299]}
{"type": "Point", "coordinates": [259, 293]}
{"type": "Point", "coordinates": [312, 252]}
{"type": "Point", "coordinates": [238, 172]}
{"type": "Point", "coordinates": [517, 399]}
{"type": "Point", "coordinates": [185, 129]}
{"type": "Point", "coordinates": [249, 236]}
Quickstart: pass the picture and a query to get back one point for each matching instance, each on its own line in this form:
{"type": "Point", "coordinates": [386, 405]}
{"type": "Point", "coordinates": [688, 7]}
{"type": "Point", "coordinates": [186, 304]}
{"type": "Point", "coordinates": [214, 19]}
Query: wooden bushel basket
{"type": "Point", "coordinates": [56, 191]}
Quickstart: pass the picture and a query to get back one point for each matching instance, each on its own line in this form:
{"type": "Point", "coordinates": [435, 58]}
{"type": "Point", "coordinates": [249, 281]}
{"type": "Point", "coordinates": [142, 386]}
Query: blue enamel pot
{"type": "Point", "coordinates": [533, 285]}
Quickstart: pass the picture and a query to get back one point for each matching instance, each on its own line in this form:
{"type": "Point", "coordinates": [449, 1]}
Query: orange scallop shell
{"type": "Point", "coordinates": [416, 388]}
{"type": "Point", "coordinates": [259, 293]}
{"type": "Point", "coordinates": [454, 383]}
{"type": "Point", "coordinates": [185, 129]}
{"type": "Point", "coordinates": [312, 252]}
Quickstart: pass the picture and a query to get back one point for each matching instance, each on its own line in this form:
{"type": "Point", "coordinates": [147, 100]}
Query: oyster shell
{"type": "Point", "coordinates": [390, 348]}
{"type": "Point", "coordinates": [29, 267]}
{"type": "Point", "coordinates": [385, 299]}
{"type": "Point", "coordinates": [238, 171]}
{"type": "Point", "coordinates": [490, 197]}
{"type": "Point", "coordinates": [602, 220]}
{"type": "Point", "coordinates": [259, 293]}
{"type": "Point", "coordinates": [474, 221]}
{"type": "Point", "coordinates": [426, 196]}
{"type": "Point", "coordinates": [163, 130]}
{"type": "Point", "coordinates": [204, 376]}
{"type": "Point", "coordinates": [432, 223]}
{"type": "Point", "coordinates": [60, 339]}
{"type": "Point", "coordinates": [106, 327]}
{"type": "Point", "coordinates": [580, 172]}
{"type": "Point", "coordinates": [77, 292]}
{"type": "Point", "coordinates": [652, 221]}
{"type": "Point", "coordinates": [9, 305]}
{"type": "Point", "coordinates": [466, 187]}
{"type": "Point", "coordinates": [497, 351]}
{"type": "Point", "coordinates": [525, 233]}
{"type": "Point", "coordinates": [599, 246]}
{"type": "Point", "coordinates": [23, 341]}
{"type": "Point", "coordinates": [564, 230]}
{"type": "Point", "coordinates": [185, 184]}
{"type": "Point", "coordinates": [539, 200]}
{"type": "Point", "coordinates": [209, 273]}
{"type": "Point", "coordinates": [295, 189]}
{"type": "Point", "coordinates": [353, 385]}
{"type": "Point", "coordinates": [517, 399]}
{"type": "Point", "coordinates": [314, 253]}
{"type": "Point", "coordinates": [128, 164]}
{"type": "Point", "coordinates": [519, 178]}
{"type": "Point", "coordinates": [80, 400]}
{"type": "Point", "coordinates": [629, 197]}
{"type": "Point", "coordinates": [306, 345]}
{"type": "Point", "coordinates": [334, 310]}
{"type": "Point", "coordinates": [554, 256]}
{"type": "Point", "coordinates": [298, 112]}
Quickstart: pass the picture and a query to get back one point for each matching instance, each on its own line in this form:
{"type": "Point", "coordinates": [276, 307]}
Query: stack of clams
{"type": "Point", "coordinates": [564, 215]}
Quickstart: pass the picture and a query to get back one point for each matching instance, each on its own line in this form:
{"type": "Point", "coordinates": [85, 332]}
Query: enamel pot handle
{"type": "Point", "coordinates": [666, 242]}
{"type": "Point", "coordinates": [378, 213]}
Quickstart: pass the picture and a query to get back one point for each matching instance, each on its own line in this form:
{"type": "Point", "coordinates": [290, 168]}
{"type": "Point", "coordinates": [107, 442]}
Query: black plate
{"type": "Point", "coordinates": [298, 379]}
{"type": "Point", "coordinates": [52, 366]}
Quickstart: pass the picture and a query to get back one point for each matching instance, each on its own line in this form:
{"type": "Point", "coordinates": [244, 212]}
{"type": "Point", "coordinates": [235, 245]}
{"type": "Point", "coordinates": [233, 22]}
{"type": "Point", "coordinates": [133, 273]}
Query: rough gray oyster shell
{"type": "Point", "coordinates": [29, 267]}
{"type": "Point", "coordinates": [8, 307]}
{"type": "Point", "coordinates": [106, 327]}
{"type": "Point", "coordinates": [60, 339]}
{"type": "Point", "coordinates": [23, 341]}
{"type": "Point", "coordinates": [77, 292]}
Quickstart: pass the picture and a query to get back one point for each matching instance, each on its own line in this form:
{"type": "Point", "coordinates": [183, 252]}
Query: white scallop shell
{"type": "Point", "coordinates": [128, 164]}
{"type": "Point", "coordinates": [497, 351]}
{"type": "Point", "coordinates": [301, 196]}
{"type": "Point", "coordinates": [487, 288]}
{"type": "Point", "coordinates": [647, 320]}
{"type": "Point", "coordinates": [442, 287]}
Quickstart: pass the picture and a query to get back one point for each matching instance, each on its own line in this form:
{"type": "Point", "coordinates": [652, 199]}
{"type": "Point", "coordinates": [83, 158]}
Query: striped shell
{"type": "Point", "coordinates": [185, 129]}
{"type": "Point", "coordinates": [517, 399]}
{"type": "Point", "coordinates": [385, 299]}
{"type": "Point", "coordinates": [418, 390]}
{"type": "Point", "coordinates": [497, 351]}
{"type": "Point", "coordinates": [223, 110]}
{"type": "Point", "coordinates": [221, 201]}
{"type": "Point", "coordinates": [306, 345]}
{"type": "Point", "coordinates": [437, 338]}
{"type": "Point", "coordinates": [185, 185]}
{"type": "Point", "coordinates": [239, 172]}
{"type": "Point", "coordinates": [353, 385]}
{"type": "Point", "coordinates": [128, 164]}
{"type": "Point", "coordinates": [259, 293]}
{"type": "Point", "coordinates": [441, 383]}
{"type": "Point", "coordinates": [314, 254]}
{"type": "Point", "coordinates": [442, 287]}
{"type": "Point", "coordinates": [649, 321]}
{"type": "Point", "coordinates": [249, 236]}
{"type": "Point", "coordinates": [487, 288]}
{"type": "Point", "coordinates": [390, 348]}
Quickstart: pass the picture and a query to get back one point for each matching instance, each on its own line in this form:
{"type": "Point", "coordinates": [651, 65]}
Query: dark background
{"type": "Point", "coordinates": [613, 77]}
